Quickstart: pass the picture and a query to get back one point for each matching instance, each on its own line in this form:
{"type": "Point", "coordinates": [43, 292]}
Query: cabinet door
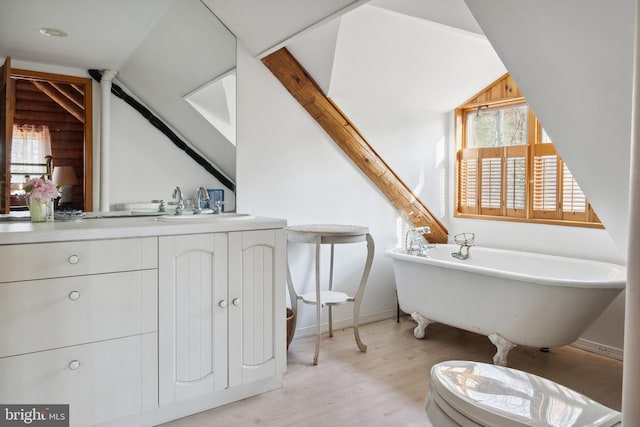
{"type": "Point", "coordinates": [257, 324]}
{"type": "Point", "coordinates": [192, 298]}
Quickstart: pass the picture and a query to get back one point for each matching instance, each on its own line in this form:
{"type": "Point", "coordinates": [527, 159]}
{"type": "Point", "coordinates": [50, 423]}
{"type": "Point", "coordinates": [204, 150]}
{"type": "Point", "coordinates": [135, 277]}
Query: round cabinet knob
{"type": "Point", "coordinates": [74, 364]}
{"type": "Point", "coordinates": [74, 259]}
{"type": "Point", "coordinates": [222, 304]}
{"type": "Point", "coordinates": [74, 295]}
{"type": "Point", "coordinates": [236, 301]}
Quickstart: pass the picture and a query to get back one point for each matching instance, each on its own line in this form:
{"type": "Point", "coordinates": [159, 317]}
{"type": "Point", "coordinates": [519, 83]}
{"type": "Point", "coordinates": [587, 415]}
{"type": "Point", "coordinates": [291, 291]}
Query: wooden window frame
{"type": "Point", "coordinates": [534, 148]}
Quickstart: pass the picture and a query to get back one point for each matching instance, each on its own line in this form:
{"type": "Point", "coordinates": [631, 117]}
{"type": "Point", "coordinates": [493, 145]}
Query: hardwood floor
{"type": "Point", "coordinates": [387, 385]}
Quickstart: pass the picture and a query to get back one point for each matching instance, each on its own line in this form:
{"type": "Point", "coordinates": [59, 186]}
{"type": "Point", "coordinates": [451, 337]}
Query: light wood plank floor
{"type": "Point", "coordinates": [387, 385]}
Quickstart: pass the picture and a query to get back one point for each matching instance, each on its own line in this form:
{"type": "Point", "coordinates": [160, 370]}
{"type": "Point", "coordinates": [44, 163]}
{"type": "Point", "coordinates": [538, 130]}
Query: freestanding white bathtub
{"type": "Point", "coordinates": [514, 298]}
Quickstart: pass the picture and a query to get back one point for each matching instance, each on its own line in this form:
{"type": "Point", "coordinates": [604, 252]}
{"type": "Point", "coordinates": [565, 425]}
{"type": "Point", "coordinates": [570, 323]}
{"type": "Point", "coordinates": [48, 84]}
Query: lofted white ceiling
{"type": "Point", "coordinates": [453, 13]}
{"type": "Point", "coordinates": [379, 56]}
{"type": "Point", "coordinates": [388, 57]}
{"type": "Point", "coordinates": [262, 25]}
{"type": "Point", "coordinates": [101, 34]}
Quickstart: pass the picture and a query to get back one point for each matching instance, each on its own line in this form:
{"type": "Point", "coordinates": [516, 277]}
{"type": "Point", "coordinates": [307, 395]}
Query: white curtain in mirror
{"type": "Point", "coordinates": [29, 146]}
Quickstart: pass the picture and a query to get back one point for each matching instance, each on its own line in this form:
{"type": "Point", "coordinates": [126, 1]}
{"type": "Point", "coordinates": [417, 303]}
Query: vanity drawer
{"type": "Point", "coordinates": [45, 314]}
{"type": "Point", "coordinates": [62, 259]}
{"type": "Point", "coordinates": [100, 381]}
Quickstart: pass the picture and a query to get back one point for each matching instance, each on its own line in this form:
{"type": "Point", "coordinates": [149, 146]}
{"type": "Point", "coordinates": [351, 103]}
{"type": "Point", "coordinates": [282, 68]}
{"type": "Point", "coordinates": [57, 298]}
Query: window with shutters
{"type": "Point", "coordinates": [507, 166]}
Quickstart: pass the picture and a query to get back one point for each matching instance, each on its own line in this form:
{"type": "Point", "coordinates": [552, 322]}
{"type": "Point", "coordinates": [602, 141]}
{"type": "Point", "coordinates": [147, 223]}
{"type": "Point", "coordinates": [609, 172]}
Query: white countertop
{"type": "Point", "coordinates": [15, 232]}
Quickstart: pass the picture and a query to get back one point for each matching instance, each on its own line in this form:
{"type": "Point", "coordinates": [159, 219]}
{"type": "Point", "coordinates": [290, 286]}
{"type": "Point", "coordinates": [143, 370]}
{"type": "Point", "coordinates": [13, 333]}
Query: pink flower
{"type": "Point", "coordinates": [39, 188]}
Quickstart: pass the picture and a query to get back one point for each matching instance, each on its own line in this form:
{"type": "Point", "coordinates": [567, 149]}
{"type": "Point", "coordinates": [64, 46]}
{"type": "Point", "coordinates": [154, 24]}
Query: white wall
{"type": "Point", "coordinates": [412, 141]}
{"type": "Point", "coordinates": [288, 167]}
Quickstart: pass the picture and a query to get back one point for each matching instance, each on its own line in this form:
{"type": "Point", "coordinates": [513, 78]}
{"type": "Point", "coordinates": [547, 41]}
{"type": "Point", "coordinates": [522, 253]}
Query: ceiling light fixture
{"type": "Point", "coordinates": [52, 32]}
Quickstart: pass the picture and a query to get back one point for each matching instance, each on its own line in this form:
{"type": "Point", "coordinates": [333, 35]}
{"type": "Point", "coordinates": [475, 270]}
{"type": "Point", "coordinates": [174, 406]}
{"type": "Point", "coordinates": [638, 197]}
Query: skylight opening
{"type": "Point", "coordinates": [216, 102]}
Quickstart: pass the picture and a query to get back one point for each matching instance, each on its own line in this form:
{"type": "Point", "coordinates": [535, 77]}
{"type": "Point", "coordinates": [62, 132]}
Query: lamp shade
{"type": "Point", "coordinates": [64, 175]}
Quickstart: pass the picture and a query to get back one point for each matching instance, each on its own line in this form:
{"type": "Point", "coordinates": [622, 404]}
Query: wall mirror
{"type": "Point", "coordinates": [179, 47]}
{"type": "Point", "coordinates": [48, 122]}
{"type": "Point", "coordinates": [192, 89]}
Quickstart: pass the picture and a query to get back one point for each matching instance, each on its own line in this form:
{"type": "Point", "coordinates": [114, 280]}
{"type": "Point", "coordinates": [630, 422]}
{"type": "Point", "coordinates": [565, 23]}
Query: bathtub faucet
{"type": "Point", "coordinates": [417, 244]}
{"type": "Point", "coordinates": [465, 240]}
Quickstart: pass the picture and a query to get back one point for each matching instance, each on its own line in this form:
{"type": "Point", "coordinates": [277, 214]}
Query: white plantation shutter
{"type": "Point", "coordinates": [515, 185]}
{"type": "Point", "coordinates": [573, 199]}
{"type": "Point", "coordinates": [516, 181]}
{"type": "Point", "coordinates": [574, 203]}
{"type": "Point", "coordinates": [491, 182]}
{"type": "Point", "coordinates": [468, 181]}
{"type": "Point", "coordinates": [491, 185]}
{"type": "Point", "coordinates": [545, 182]}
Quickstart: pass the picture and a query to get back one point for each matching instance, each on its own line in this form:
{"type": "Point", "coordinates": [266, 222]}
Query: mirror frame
{"type": "Point", "coordinates": [87, 84]}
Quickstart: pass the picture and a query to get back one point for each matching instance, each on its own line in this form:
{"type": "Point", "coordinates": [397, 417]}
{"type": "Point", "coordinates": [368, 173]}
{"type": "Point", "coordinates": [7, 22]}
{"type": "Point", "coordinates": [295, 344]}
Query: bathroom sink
{"type": "Point", "coordinates": [122, 214]}
{"type": "Point", "coordinates": [205, 217]}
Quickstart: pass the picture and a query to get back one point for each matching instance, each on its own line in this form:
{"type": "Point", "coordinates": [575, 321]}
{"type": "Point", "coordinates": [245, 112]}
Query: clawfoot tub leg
{"type": "Point", "coordinates": [422, 321]}
{"type": "Point", "coordinates": [503, 346]}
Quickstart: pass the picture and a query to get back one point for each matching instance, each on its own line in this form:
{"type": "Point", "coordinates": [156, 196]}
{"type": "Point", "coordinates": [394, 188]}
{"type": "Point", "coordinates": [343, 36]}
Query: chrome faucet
{"type": "Point", "coordinates": [177, 193]}
{"type": "Point", "coordinates": [217, 206]}
{"type": "Point", "coordinates": [418, 244]}
{"type": "Point", "coordinates": [201, 191]}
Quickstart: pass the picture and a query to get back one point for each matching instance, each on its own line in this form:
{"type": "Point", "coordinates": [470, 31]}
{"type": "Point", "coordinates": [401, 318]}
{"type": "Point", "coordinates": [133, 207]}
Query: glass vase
{"type": "Point", "coordinates": [40, 210]}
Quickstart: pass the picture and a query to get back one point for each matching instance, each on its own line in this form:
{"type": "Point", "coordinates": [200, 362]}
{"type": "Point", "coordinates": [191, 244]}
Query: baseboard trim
{"type": "Point", "coordinates": [594, 347]}
{"type": "Point", "coordinates": [581, 343]}
{"type": "Point", "coordinates": [346, 323]}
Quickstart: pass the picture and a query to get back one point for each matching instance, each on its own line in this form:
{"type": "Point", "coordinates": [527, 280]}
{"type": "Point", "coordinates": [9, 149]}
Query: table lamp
{"type": "Point", "coordinates": [65, 177]}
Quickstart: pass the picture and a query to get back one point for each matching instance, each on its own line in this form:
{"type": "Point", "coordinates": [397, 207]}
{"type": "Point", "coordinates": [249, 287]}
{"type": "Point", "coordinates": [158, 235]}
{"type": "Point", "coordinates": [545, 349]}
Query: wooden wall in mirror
{"type": "Point", "coordinates": [64, 105]}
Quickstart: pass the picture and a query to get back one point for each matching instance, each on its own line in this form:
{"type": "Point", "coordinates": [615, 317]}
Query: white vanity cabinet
{"type": "Point", "coordinates": [78, 326]}
{"type": "Point", "coordinates": [138, 321]}
{"type": "Point", "coordinates": [221, 314]}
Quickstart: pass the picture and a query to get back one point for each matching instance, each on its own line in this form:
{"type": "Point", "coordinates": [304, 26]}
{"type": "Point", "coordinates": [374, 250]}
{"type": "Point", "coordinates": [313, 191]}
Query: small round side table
{"type": "Point", "coordinates": [333, 234]}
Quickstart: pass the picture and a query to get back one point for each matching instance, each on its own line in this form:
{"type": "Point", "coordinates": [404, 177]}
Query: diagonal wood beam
{"type": "Point", "coordinates": [77, 88]}
{"type": "Point", "coordinates": [294, 78]}
{"type": "Point", "coordinates": [70, 93]}
{"type": "Point", "coordinates": [60, 99]}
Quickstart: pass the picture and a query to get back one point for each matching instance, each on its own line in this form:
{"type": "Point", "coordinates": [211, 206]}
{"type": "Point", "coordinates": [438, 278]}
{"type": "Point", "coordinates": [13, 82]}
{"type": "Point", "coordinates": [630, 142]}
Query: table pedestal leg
{"type": "Point", "coordinates": [357, 300]}
{"type": "Point", "coordinates": [331, 288]}
{"type": "Point", "coordinates": [318, 302]}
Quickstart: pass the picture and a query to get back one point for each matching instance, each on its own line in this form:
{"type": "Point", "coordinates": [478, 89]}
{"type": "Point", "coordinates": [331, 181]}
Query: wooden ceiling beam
{"type": "Point", "coordinates": [304, 89]}
{"type": "Point", "coordinates": [72, 95]}
{"type": "Point", "coordinates": [77, 88]}
{"type": "Point", "coordinates": [60, 99]}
